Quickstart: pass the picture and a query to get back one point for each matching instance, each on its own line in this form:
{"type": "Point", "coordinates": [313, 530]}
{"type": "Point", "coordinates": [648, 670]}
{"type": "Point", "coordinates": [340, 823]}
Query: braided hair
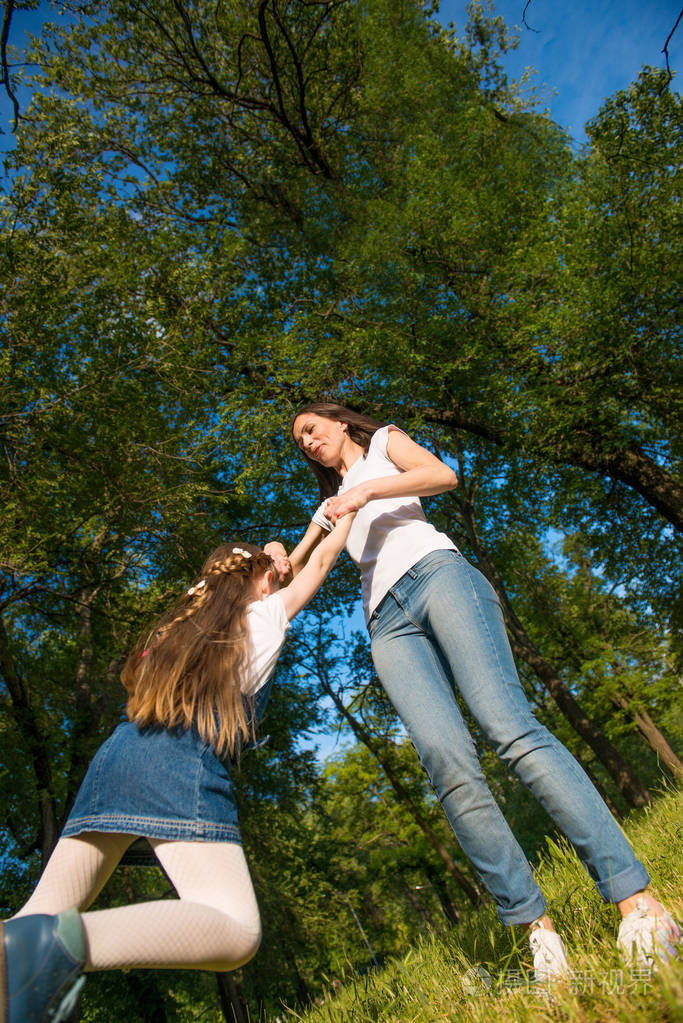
{"type": "Point", "coordinates": [189, 669]}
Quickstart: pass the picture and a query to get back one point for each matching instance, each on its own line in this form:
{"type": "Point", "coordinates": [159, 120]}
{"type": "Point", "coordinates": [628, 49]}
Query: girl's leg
{"type": "Point", "coordinates": [214, 925]}
{"type": "Point", "coordinates": [42, 948]}
{"type": "Point", "coordinates": [76, 872]}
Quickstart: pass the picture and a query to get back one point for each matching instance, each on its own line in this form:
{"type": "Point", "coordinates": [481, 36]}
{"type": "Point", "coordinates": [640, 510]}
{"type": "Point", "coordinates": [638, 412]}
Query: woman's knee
{"type": "Point", "coordinates": [528, 750]}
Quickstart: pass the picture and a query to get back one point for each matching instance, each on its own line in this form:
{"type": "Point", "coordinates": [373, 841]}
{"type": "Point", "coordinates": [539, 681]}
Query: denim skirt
{"type": "Point", "coordinates": [156, 783]}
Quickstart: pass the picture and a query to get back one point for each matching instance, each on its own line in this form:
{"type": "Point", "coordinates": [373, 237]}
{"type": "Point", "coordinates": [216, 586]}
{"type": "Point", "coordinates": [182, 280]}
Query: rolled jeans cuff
{"type": "Point", "coordinates": [524, 914]}
{"type": "Point", "coordinates": [626, 883]}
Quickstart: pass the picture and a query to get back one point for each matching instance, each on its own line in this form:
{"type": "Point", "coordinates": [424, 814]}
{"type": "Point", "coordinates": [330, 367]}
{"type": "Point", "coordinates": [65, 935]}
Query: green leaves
{"type": "Point", "coordinates": [213, 216]}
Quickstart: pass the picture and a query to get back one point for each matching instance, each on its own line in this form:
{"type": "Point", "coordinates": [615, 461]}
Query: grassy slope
{"type": "Point", "coordinates": [438, 980]}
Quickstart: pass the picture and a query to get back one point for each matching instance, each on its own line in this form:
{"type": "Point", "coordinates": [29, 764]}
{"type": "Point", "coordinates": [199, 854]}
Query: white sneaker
{"type": "Point", "coordinates": [550, 954]}
{"type": "Point", "coordinates": [646, 937]}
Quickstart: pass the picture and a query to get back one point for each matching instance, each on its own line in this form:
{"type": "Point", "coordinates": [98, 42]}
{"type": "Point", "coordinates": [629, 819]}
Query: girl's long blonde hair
{"type": "Point", "coordinates": [188, 670]}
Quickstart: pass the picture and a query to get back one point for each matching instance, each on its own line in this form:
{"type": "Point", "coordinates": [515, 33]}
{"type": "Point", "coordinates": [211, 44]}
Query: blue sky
{"type": "Point", "coordinates": [584, 50]}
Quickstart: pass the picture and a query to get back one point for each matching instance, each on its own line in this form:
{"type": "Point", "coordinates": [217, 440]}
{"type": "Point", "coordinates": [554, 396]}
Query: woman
{"type": "Point", "coordinates": [435, 621]}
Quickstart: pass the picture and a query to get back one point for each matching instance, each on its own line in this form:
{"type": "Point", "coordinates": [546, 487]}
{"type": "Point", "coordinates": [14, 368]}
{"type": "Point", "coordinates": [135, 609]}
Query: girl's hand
{"type": "Point", "coordinates": [352, 500]}
{"type": "Point", "coordinates": [315, 571]}
{"type": "Point", "coordinates": [277, 552]}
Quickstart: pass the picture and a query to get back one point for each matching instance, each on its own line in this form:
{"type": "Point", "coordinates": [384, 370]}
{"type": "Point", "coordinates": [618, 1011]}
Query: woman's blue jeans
{"type": "Point", "coordinates": [441, 624]}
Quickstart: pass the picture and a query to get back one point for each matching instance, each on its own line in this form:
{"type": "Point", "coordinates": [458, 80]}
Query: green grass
{"type": "Point", "coordinates": [483, 972]}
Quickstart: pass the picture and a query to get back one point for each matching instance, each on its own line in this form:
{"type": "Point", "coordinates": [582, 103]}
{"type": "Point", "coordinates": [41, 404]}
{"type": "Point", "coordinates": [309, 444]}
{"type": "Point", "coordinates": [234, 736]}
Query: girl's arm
{"type": "Point", "coordinates": [423, 474]}
{"type": "Point", "coordinates": [316, 569]}
{"type": "Point", "coordinates": [293, 563]}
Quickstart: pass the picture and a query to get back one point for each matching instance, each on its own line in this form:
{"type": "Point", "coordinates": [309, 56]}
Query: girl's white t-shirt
{"type": "Point", "coordinates": [267, 622]}
{"type": "Point", "coordinates": [389, 535]}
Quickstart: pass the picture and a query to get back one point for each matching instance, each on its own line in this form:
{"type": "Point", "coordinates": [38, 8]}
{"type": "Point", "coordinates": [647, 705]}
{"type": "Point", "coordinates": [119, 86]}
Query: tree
{"type": "Point", "coordinates": [291, 128]}
{"type": "Point", "coordinates": [212, 216]}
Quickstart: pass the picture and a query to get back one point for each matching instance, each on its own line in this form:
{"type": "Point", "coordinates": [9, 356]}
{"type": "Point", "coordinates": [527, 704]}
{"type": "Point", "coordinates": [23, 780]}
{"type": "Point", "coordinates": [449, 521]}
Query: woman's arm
{"type": "Point", "coordinates": [318, 566]}
{"type": "Point", "coordinates": [423, 474]}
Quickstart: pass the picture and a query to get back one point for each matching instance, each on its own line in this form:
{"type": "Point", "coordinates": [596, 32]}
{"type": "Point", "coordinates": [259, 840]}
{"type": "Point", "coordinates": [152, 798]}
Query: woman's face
{"type": "Point", "coordinates": [320, 438]}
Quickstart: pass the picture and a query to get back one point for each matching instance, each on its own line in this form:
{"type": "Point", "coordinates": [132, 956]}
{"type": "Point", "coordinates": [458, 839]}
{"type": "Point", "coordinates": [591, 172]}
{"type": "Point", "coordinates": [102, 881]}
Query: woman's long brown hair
{"type": "Point", "coordinates": [361, 430]}
{"type": "Point", "coordinates": [188, 670]}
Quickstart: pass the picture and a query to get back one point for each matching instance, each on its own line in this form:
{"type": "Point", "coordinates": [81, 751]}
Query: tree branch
{"type": "Point", "coordinates": [6, 21]}
{"type": "Point", "coordinates": [525, 22]}
{"type": "Point", "coordinates": [665, 50]}
{"type": "Point", "coordinates": [628, 466]}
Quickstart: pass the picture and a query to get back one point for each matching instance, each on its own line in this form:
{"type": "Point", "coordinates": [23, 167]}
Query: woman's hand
{"type": "Point", "coordinates": [352, 500]}
{"type": "Point", "coordinates": [422, 475]}
{"type": "Point", "coordinates": [277, 552]}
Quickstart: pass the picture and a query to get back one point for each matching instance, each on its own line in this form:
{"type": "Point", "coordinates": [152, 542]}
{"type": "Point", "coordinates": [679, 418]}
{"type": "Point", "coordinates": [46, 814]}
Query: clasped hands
{"type": "Point", "coordinates": [277, 552]}
{"type": "Point", "coordinates": [352, 500]}
{"type": "Point", "coordinates": [335, 508]}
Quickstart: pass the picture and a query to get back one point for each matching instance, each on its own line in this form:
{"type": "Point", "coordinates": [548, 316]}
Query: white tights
{"type": "Point", "coordinates": [213, 925]}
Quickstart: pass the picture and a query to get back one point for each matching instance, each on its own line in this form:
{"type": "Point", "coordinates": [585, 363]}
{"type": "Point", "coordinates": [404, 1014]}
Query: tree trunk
{"type": "Point", "coordinates": [148, 997]}
{"type": "Point", "coordinates": [451, 911]}
{"type": "Point", "coordinates": [629, 466]}
{"type": "Point", "coordinates": [625, 778]}
{"type": "Point", "coordinates": [652, 735]}
{"type": "Point", "coordinates": [35, 743]}
{"type": "Point", "coordinates": [638, 471]}
{"type": "Point", "coordinates": [474, 894]}
{"type": "Point", "coordinates": [232, 1002]}
{"type": "Point", "coordinates": [418, 906]}
{"type": "Point", "coordinates": [83, 716]}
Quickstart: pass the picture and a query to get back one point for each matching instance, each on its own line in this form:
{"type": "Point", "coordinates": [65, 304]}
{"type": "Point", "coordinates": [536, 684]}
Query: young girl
{"type": "Point", "coordinates": [435, 622]}
{"type": "Point", "coordinates": [197, 686]}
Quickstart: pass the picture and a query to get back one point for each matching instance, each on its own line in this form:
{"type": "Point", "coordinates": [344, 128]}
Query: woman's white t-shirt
{"type": "Point", "coordinates": [267, 622]}
{"type": "Point", "coordinates": [389, 535]}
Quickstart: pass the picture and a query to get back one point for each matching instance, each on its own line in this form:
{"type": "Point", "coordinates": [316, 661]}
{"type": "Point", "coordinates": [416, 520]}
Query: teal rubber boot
{"type": "Point", "coordinates": [41, 965]}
